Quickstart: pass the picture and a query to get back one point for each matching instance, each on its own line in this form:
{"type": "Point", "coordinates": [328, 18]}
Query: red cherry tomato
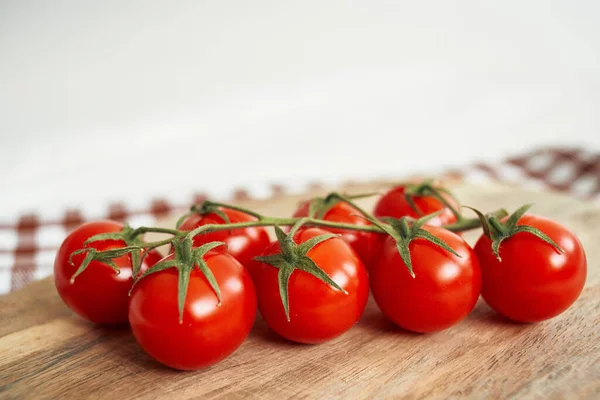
{"type": "Point", "coordinates": [98, 294]}
{"type": "Point", "coordinates": [365, 244]}
{"type": "Point", "coordinates": [394, 204]}
{"type": "Point", "coordinates": [318, 312]}
{"type": "Point", "coordinates": [243, 244]}
{"type": "Point", "coordinates": [443, 292]}
{"type": "Point", "coordinates": [209, 331]}
{"type": "Point", "coordinates": [533, 282]}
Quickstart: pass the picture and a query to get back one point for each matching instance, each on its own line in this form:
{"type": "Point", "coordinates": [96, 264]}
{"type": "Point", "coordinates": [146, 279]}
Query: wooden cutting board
{"type": "Point", "coordinates": [47, 352]}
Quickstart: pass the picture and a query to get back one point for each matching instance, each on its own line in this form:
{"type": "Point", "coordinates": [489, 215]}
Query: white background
{"type": "Point", "coordinates": [125, 100]}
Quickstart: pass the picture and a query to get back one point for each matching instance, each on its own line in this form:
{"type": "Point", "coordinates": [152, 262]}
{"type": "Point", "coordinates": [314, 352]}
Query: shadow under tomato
{"type": "Point", "coordinates": [374, 320]}
{"type": "Point", "coordinates": [118, 342]}
{"type": "Point", "coordinates": [382, 324]}
{"type": "Point", "coordinates": [110, 344]}
{"type": "Point", "coordinates": [377, 321]}
{"type": "Point", "coordinates": [263, 332]}
{"type": "Point", "coordinates": [126, 348]}
{"type": "Point", "coordinates": [485, 314]}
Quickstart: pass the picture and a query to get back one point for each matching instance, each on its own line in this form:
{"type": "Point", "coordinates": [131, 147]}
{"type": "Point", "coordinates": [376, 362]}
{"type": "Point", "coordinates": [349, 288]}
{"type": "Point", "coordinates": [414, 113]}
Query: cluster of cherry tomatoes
{"type": "Point", "coordinates": [312, 283]}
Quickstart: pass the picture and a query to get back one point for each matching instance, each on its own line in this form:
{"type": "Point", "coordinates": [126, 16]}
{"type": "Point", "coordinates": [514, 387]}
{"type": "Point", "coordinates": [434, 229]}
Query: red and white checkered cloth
{"type": "Point", "coordinates": [28, 246]}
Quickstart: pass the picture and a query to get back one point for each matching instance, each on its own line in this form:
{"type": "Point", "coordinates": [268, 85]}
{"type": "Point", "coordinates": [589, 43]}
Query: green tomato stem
{"type": "Point", "coordinates": [236, 208]}
{"type": "Point", "coordinates": [153, 245]}
{"type": "Point", "coordinates": [466, 224]}
{"type": "Point", "coordinates": [272, 221]}
{"type": "Point", "coordinates": [348, 200]}
{"type": "Point", "coordinates": [459, 226]}
{"type": "Point", "coordinates": [146, 229]}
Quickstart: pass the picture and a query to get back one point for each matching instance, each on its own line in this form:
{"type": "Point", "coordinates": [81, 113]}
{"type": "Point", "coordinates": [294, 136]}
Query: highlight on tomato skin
{"type": "Point", "coordinates": [394, 204]}
{"type": "Point", "coordinates": [244, 244]}
{"type": "Point", "coordinates": [442, 293]}
{"type": "Point", "coordinates": [209, 331]}
{"type": "Point", "coordinates": [99, 294]}
{"type": "Point", "coordinates": [318, 312]}
{"type": "Point", "coordinates": [533, 281]}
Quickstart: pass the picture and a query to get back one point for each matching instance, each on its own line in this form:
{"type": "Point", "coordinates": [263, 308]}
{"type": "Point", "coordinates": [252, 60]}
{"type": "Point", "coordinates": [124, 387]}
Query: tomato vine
{"type": "Point", "coordinates": [312, 283]}
{"type": "Point", "coordinates": [187, 256]}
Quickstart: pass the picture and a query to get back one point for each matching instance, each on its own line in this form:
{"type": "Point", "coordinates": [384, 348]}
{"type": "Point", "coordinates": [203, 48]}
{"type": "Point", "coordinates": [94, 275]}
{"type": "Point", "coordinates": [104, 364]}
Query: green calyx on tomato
{"type": "Point", "coordinates": [293, 256]}
{"type": "Point", "coordinates": [404, 232]}
{"type": "Point", "coordinates": [127, 235]}
{"type": "Point", "coordinates": [427, 188]}
{"type": "Point", "coordinates": [499, 231]}
{"type": "Point", "coordinates": [319, 206]}
{"type": "Point", "coordinates": [185, 258]}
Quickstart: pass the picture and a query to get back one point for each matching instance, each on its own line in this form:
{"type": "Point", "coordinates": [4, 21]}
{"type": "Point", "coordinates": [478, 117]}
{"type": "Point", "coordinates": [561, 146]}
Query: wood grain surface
{"type": "Point", "coordinates": [47, 352]}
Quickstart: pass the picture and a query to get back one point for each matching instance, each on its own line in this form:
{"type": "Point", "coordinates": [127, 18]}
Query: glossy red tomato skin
{"type": "Point", "coordinates": [365, 244]}
{"type": "Point", "coordinates": [533, 282]}
{"type": "Point", "coordinates": [394, 204]}
{"type": "Point", "coordinates": [98, 294]}
{"type": "Point", "coordinates": [442, 293]}
{"type": "Point", "coordinates": [318, 312]}
{"type": "Point", "coordinates": [243, 244]}
{"type": "Point", "coordinates": [209, 332]}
